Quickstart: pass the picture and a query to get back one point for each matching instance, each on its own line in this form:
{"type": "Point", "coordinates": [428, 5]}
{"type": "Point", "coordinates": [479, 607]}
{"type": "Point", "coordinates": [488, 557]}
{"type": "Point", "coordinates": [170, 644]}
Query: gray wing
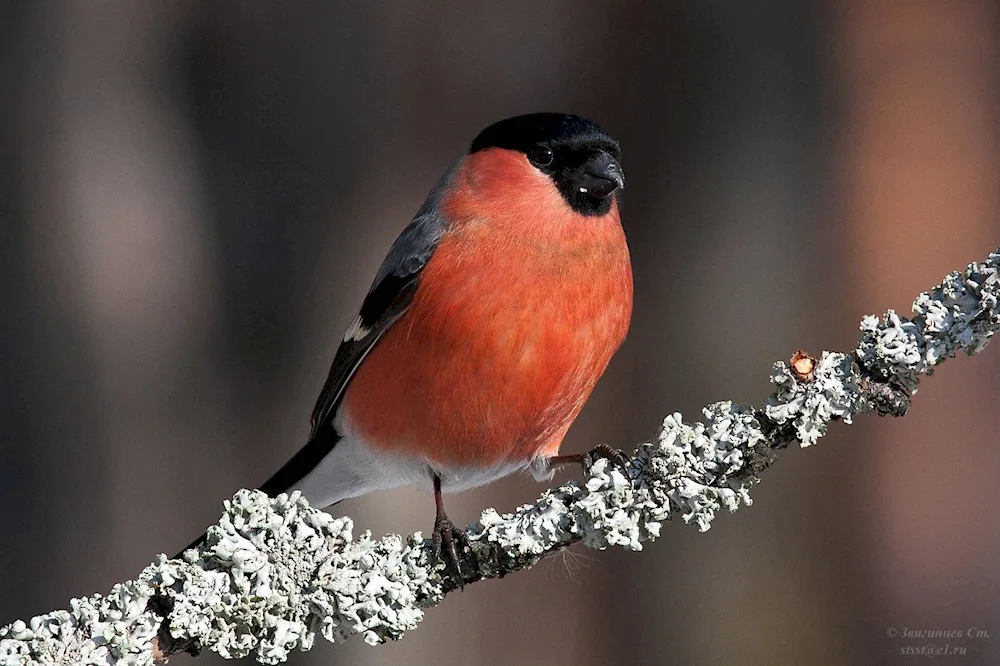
{"type": "Point", "coordinates": [387, 300]}
{"type": "Point", "coordinates": [389, 297]}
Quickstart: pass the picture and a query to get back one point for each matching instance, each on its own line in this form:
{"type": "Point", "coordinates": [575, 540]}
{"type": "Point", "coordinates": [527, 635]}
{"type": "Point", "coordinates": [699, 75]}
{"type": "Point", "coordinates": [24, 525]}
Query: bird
{"type": "Point", "coordinates": [485, 330]}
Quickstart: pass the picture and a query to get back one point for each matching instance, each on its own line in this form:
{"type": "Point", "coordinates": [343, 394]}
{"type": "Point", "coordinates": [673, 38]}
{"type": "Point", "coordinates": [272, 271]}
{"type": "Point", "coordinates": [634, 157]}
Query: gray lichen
{"type": "Point", "coordinates": [284, 572]}
{"type": "Point", "coordinates": [274, 574]}
{"type": "Point", "coordinates": [696, 470]}
{"type": "Point", "coordinates": [831, 394]}
{"type": "Point", "coordinates": [960, 314]}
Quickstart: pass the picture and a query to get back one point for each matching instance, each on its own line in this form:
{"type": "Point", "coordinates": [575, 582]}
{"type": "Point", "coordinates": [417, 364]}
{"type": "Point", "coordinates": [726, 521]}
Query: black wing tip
{"type": "Point", "coordinates": [304, 461]}
{"type": "Point", "coordinates": [293, 471]}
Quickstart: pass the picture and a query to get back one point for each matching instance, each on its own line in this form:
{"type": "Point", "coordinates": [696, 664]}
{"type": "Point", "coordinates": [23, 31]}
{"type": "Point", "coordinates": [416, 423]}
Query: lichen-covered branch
{"type": "Point", "coordinates": [274, 574]}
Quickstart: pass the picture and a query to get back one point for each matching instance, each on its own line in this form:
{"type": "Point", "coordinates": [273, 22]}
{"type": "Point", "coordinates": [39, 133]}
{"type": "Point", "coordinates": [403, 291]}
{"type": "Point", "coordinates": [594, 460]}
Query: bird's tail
{"type": "Point", "coordinates": [294, 470]}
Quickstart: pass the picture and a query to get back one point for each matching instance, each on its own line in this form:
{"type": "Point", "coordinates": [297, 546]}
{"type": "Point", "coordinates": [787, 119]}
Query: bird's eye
{"type": "Point", "coordinates": [541, 156]}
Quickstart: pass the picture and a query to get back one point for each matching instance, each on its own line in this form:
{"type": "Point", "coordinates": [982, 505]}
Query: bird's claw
{"type": "Point", "coordinates": [448, 539]}
{"type": "Point", "coordinates": [614, 456]}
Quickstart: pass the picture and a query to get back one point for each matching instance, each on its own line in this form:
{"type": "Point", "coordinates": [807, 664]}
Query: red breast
{"type": "Point", "coordinates": [516, 317]}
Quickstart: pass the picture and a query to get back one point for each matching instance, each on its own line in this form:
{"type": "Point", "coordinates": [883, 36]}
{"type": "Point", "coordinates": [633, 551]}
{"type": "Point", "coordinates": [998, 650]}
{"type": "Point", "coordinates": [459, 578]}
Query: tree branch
{"type": "Point", "coordinates": [275, 573]}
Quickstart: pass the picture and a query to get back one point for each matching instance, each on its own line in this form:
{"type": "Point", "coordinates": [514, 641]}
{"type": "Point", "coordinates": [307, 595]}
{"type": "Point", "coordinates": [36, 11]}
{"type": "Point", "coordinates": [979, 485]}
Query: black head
{"type": "Point", "coordinates": [581, 159]}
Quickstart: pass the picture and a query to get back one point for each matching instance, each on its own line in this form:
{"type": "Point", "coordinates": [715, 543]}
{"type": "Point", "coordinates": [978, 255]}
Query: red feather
{"type": "Point", "coordinates": [515, 319]}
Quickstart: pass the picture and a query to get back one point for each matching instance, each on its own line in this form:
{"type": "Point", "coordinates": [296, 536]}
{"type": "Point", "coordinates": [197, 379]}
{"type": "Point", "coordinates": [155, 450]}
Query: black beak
{"type": "Point", "coordinates": [600, 176]}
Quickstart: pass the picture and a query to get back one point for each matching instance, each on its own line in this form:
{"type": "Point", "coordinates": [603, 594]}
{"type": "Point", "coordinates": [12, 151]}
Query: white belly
{"type": "Point", "coordinates": [353, 468]}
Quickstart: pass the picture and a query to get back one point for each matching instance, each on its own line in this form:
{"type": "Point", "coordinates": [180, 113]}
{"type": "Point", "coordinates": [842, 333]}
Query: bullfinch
{"type": "Point", "coordinates": [486, 328]}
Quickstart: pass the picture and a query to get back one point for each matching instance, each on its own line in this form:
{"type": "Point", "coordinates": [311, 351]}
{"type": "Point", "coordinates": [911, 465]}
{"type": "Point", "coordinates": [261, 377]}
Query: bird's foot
{"type": "Point", "coordinates": [614, 456]}
{"type": "Point", "coordinates": [586, 460]}
{"type": "Point", "coordinates": [448, 541]}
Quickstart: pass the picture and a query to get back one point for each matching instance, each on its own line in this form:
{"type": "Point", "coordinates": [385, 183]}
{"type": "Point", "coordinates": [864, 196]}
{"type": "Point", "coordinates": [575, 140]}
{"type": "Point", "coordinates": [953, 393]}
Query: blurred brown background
{"type": "Point", "coordinates": [194, 197]}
